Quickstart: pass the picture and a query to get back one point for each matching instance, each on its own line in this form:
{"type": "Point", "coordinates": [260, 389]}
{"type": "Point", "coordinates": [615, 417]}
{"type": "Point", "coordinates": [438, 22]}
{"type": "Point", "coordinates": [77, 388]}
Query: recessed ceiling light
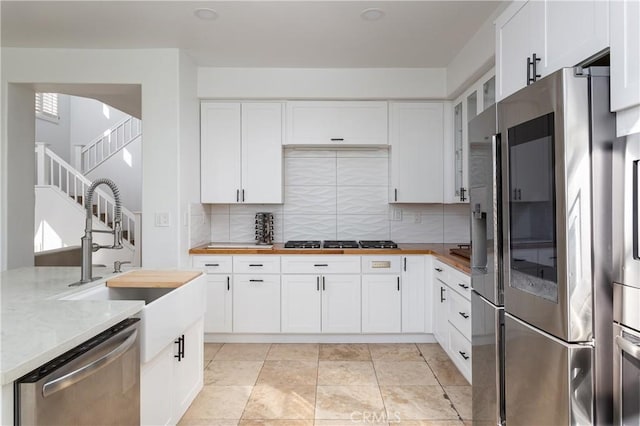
{"type": "Point", "coordinates": [206, 13]}
{"type": "Point", "coordinates": [372, 14]}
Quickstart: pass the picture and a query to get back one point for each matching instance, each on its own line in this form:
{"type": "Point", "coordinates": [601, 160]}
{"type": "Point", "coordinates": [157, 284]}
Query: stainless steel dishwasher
{"type": "Point", "coordinates": [95, 383]}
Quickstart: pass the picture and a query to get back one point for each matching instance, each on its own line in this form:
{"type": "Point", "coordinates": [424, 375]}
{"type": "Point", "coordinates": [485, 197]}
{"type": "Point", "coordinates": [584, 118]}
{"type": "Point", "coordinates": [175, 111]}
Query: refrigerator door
{"type": "Point", "coordinates": [547, 202]}
{"type": "Point", "coordinates": [485, 204]}
{"type": "Point", "coordinates": [488, 362]}
{"type": "Point", "coordinates": [547, 381]}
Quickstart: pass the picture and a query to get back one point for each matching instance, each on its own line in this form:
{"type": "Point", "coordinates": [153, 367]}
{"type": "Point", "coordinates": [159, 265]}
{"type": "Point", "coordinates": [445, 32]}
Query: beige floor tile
{"type": "Point", "coordinates": [404, 373]}
{"type": "Point", "coordinates": [461, 398]}
{"type": "Point", "coordinates": [447, 373]}
{"type": "Point", "coordinates": [218, 403]}
{"type": "Point", "coordinates": [348, 422]}
{"type": "Point", "coordinates": [243, 352]}
{"type": "Point", "coordinates": [294, 352]}
{"type": "Point", "coordinates": [346, 373]}
{"type": "Point", "coordinates": [207, 422]}
{"type": "Point", "coordinates": [210, 350]}
{"type": "Point", "coordinates": [288, 373]}
{"type": "Point", "coordinates": [281, 402]}
{"type": "Point", "coordinates": [348, 402]}
{"type": "Point", "coordinates": [344, 352]}
{"type": "Point", "coordinates": [428, 423]}
{"type": "Point", "coordinates": [394, 352]}
{"type": "Point", "coordinates": [256, 422]}
{"type": "Point", "coordinates": [232, 373]}
{"type": "Point", "coordinates": [417, 403]}
{"type": "Point", "coordinates": [432, 351]}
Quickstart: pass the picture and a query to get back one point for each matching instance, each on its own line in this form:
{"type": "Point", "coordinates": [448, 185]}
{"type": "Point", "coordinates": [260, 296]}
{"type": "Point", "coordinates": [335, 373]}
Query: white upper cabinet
{"type": "Point", "coordinates": [625, 56]}
{"type": "Point", "coordinates": [416, 138]}
{"type": "Point", "coordinates": [241, 152]}
{"type": "Point", "coordinates": [336, 123]}
{"type": "Point", "coordinates": [559, 34]}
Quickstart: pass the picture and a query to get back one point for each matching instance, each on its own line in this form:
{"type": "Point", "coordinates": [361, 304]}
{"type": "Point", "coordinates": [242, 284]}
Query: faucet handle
{"type": "Point", "coordinates": [117, 264]}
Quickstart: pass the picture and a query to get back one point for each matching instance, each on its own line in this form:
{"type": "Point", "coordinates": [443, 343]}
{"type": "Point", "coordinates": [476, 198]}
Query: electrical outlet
{"type": "Point", "coordinates": [417, 218]}
{"type": "Point", "coordinates": [397, 215]}
{"type": "Point", "coordinates": [162, 219]}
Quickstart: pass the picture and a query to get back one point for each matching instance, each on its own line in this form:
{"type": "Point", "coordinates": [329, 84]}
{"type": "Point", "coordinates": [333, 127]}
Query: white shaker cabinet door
{"type": "Point", "coordinates": [301, 296]}
{"type": "Point", "coordinates": [625, 54]}
{"type": "Point", "coordinates": [417, 142]}
{"type": "Point", "coordinates": [413, 295]}
{"type": "Point", "coordinates": [188, 370]}
{"type": "Point", "coordinates": [220, 152]}
{"type": "Point", "coordinates": [157, 388]}
{"type": "Point", "coordinates": [441, 313]}
{"type": "Point", "coordinates": [381, 303]}
{"type": "Point", "coordinates": [340, 303]}
{"type": "Point", "coordinates": [262, 152]}
{"type": "Point", "coordinates": [256, 303]}
{"type": "Point", "coordinates": [217, 318]}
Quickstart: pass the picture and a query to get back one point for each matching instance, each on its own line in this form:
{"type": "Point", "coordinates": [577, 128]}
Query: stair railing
{"type": "Point", "coordinates": [104, 147]}
{"type": "Point", "coordinates": [51, 170]}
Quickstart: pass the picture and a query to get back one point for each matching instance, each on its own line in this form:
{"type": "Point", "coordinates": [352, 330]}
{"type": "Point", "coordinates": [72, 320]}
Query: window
{"type": "Point", "coordinates": [47, 106]}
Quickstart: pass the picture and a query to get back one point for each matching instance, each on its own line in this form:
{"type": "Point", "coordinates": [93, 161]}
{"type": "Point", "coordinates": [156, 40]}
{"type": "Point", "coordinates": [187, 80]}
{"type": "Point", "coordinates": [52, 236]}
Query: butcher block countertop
{"type": "Point", "coordinates": [153, 279]}
{"type": "Point", "coordinates": [441, 251]}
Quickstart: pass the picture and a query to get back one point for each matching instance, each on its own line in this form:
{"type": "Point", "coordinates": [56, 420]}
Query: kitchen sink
{"type": "Point", "coordinates": [166, 314]}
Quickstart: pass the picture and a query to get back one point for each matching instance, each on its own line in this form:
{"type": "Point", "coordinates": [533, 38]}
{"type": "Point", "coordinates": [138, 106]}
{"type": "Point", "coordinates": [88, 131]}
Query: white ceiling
{"type": "Point", "coordinates": [306, 34]}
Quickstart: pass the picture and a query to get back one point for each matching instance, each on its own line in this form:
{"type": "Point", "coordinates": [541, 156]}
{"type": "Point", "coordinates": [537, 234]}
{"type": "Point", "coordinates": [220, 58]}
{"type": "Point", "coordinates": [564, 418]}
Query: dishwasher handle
{"type": "Point", "coordinates": [69, 379]}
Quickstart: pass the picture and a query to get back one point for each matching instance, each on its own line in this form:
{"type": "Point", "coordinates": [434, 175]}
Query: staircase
{"type": "Point", "coordinates": [104, 147]}
{"type": "Point", "coordinates": [53, 171]}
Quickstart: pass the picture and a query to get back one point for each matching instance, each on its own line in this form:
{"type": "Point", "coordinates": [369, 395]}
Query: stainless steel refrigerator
{"type": "Point", "coordinates": [486, 270]}
{"type": "Point", "coordinates": [557, 137]}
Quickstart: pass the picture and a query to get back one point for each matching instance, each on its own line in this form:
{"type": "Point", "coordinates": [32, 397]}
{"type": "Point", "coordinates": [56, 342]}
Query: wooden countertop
{"type": "Point", "coordinates": [153, 279]}
{"type": "Point", "coordinates": [441, 251]}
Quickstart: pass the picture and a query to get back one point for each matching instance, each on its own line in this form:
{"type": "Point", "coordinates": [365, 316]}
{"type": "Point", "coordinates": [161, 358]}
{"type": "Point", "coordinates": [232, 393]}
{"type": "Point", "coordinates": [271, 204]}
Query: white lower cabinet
{"type": "Point", "coordinates": [217, 318]}
{"type": "Point", "coordinates": [452, 315]}
{"type": "Point", "coordinates": [381, 304]}
{"type": "Point", "coordinates": [301, 304]}
{"type": "Point", "coordinates": [256, 303]}
{"type": "Point", "coordinates": [341, 303]}
{"type": "Point", "coordinates": [171, 380]}
{"type": "Point", "coordinates": [415, 288]}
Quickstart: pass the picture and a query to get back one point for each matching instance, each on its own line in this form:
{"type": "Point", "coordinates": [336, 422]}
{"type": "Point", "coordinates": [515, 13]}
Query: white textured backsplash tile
{"type": "Point", "coordinates": [220, 227]}
{"type": "Point", "coordinates": [310, 171]}
{"type": "Point", "coordinates": [457, 209]}
{"type": "Point", "coordinates": [363, 200]}
{"type": "Point", "coordinates": [363, 227]}
{"type": "Point", "coordinates": [363, 171]}
{"type": "Point", "coordinates": [310, 227]}
{"type": "Point", "coordinates": [309, 153]}
{"type": "Point", "coordinates": [254, 208]}
{"type": "Point", "coordinates": [437, 209]}
{"type": "Point", "coordinates": [309, 200]}
{"type": "Point", "coordinates": [429, 230]}
{"type": "Point", "coordinates": [360, 153]}
{"type": "Point", "coordinates": [242, 228]}
{"type": "Point", "coordinates": [456, 229]}
{"type": "Point", "coordinates": [219, 208]}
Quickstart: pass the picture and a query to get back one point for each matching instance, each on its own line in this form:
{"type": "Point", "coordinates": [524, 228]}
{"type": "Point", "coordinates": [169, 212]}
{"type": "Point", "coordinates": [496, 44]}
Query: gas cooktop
{"type": "Point", "coordinates": [350, 244]}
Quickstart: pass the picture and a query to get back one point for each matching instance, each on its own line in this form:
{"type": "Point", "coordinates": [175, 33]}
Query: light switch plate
{"type": "Point", "coordinates": [162, 219]}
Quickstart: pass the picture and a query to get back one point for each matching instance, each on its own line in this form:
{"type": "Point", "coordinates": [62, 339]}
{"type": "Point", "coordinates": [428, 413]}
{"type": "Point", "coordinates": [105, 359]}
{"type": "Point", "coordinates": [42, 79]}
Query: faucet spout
{"type": "Point", "coordinates": [88, 247]}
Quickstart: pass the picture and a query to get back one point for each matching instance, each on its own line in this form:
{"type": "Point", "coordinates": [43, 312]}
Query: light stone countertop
{"type": "Point", "coordinates": [36, 327]}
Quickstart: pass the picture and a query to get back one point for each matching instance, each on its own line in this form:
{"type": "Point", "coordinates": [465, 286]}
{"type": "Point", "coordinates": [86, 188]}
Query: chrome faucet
{"type": "Point", "coordinates": [88, 246]}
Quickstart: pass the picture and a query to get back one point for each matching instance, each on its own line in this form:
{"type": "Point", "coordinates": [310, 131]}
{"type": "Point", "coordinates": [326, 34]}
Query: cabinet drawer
{"type": "Point", "coordinates": [304, 264]}
{"type": "Point", "coordinates": [213, 264]}
{"type": "Point", "coordinates": [256, 264]}
{"type": "Point", "coordinates": [460, 282]}
{"type": "Point", "coordinates": [460, 313]}
{"type": "Point", "coordinates": [381, 264]}
{"type": "Point", "coordinates": [440, 271]}
{"type": "Point", "coordinates": [460, 351]}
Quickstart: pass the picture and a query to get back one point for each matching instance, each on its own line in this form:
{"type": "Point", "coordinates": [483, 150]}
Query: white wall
{"type": "Point", "coordinates": [18, 169]}
{"type": "Point", "coordinates": [157, 71]}
{"type": "Point", "coordinates": [89, 119]}
{"type": "Point", "coordinates": [301, 83]}
{"type": "Point", "coordinates": [189, 149]}
{"type": "Point", "coordinates": [56, 134]}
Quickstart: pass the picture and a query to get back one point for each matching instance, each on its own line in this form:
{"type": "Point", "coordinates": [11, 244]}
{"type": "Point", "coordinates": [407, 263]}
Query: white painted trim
{"type": "Point", "coordinates": [318, 338]}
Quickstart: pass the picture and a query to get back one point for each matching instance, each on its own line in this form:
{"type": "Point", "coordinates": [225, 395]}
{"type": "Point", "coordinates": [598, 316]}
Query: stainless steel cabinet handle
{"type": "Point", "coordinates": [464, 355]}
{"type": "Point", "coordinates": [69, 379]}
{"type": "Point", "coordinates": [256, 281]}
{"type": "Point", "coordinates": [464, 315]}
{"type": "Point", "coordinates": [438, 269]}
{"type": "Point", "coordinates": [628, 347]}
{"type": "Point", "coordinates": [464, 286]}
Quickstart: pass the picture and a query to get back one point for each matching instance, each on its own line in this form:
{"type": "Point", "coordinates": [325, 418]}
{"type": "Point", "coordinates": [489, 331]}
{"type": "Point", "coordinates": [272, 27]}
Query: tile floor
{"type": "Point", "coordinates": [329, 385]}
